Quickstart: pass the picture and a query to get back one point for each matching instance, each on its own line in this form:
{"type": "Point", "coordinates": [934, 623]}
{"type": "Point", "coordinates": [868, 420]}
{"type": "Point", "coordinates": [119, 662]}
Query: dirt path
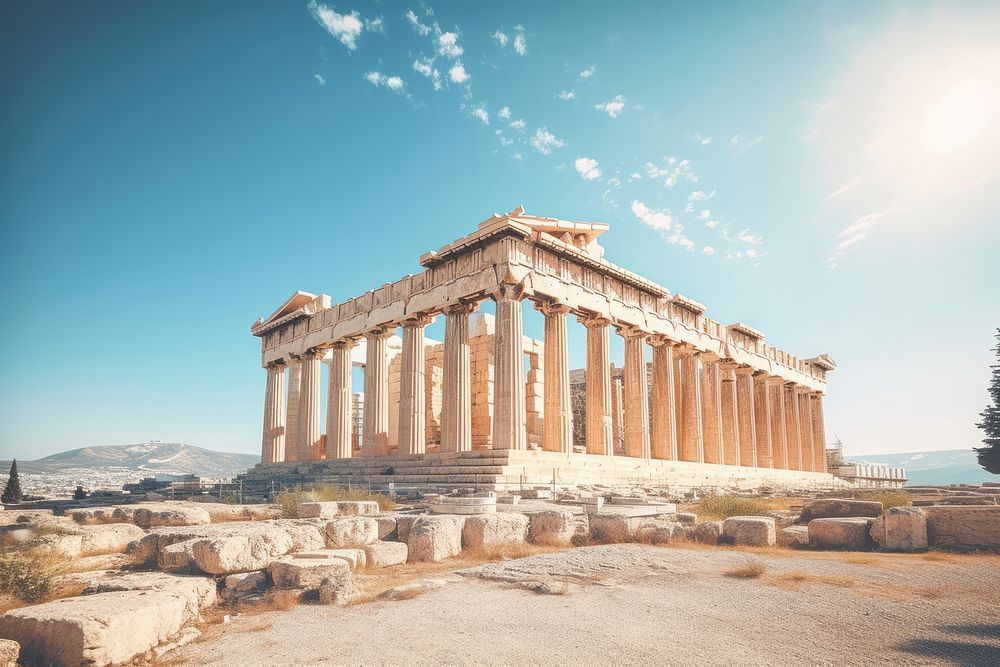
{"type": "Point", "coordinates": [632, 604]}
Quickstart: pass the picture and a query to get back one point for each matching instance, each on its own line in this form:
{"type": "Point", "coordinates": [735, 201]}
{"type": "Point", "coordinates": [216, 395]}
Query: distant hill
{"type": "Point", "coordinates": [147, 458]}
{"type": "Point", "coordinates": [950, 466]}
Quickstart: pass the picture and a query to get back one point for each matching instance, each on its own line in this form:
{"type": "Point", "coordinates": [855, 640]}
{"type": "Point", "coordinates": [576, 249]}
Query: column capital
{"type": "Point", "coordinates": [657, 340]}
{"type": "Point", "coordinates": [628, 331]}
{"type": "Point", "coordinates": [773, 380]}
{"type": "Point", "coordinates": [591, 320]}
{"type": "Point", "coordinates": [461, 308]}
{"type": "Point", "coordinates": [709, 356]}
{"type": "Point", "coordinates": [685, 349]}
{"type": "Point", "coordinates": [743, 369]}
{"type": "Point", "coordinates": [507, 292]}
{"type": "Point", "coordinates": [383, 331]}
{"type": "Point", "coordinates": [417, 320]}
{"type": "Point", "coordinates": [728, 365]}
{"type": "Point", "coordinates": [799, 389]}
{"type": "Point", "coordinates": [276, 366]}
{"type": "Point", "coordinates": [317, 352]}
{"type": "Point", "coordinates": [344, 343]}
{"type": "Point", "coordinates": [551, 307]}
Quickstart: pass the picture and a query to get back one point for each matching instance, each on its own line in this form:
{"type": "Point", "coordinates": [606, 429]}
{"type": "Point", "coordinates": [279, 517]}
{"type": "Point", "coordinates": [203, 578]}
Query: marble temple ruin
{"type": "Point", "coordinates": [491, 407]}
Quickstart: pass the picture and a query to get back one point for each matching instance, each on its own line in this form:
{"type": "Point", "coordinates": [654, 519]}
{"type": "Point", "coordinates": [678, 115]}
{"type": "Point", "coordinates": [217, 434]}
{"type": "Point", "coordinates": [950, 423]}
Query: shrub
{"type": "Point", "coordinates": [288, 500]}
{"type": "Point", "coordinates": [30, 576]}
{"type": "Point", "coordinates": [752, 569]}
{"type": "Point", "coordinates": [723, 507]}
{"type": "Point", "coordinates": [887, 498]}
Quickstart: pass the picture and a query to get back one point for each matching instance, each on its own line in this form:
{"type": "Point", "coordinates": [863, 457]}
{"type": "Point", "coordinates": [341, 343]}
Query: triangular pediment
{"type": "Point", "coordinates": [294, 302]}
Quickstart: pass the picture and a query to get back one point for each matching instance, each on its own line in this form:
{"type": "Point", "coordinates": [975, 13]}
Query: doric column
{"type": "Point", "coordinates": [310, 406]}
{"type": "Point", "coordinates": [456, 386]}
{"type": "Point", "coordinates": [508, 369]}
{"type": "Point", "coordinates": [339, 403]}
{"type": "Point", "coordinates": [375, 427]}
{"type": "Point", "coordinates": [636, 393]}
{"type": "Point", "coordinates": [412, 401]}
{"type": "Point", "coordinates": [792, 436]}
{"type": "Point", "coordinates": [779, 438]}
{"type": "Point", "coordinates": [272, 447]}
{"type": "Point", "coordinates": [663, 444]}
{"type": "Point", "coordinates": [692, 444]}
{"type": "Point", "coordinates": [762, 420]}
{"type": "Point", "coordinates": [711, 400]}
{"type": "Point", "coordinates": [558, 436]}
{"type": "Point", "coordinates": [819, 430]}
{"type": "Point", "coordinates": [805, 429]}
{"type": "Point", "coordinates": [292, 414]}
{"type": "Point", "coordinates": [730, 419]}
{"type": "Point", "coordinates": [599, 432]}
{"type": "Point", "coordinates": [745, 416]}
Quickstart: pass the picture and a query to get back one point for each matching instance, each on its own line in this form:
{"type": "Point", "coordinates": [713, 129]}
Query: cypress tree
{"type": "Point", "coordinates": [989, 453]}
{"type": "Point", "coordinates": [12, 492]}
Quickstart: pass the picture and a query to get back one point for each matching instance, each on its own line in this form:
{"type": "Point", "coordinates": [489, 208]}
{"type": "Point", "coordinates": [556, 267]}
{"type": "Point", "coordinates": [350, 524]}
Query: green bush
{"type": "Point", "coordinates": [723, 507]}
{"type": "Point", "coordinates": [30, 576]}
{"type": "Point", "coordinates": [288, 500]}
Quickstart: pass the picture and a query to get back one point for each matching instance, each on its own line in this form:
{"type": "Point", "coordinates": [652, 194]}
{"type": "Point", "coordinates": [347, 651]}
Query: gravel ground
{"type": "Point", "coordinates": [633, 604]}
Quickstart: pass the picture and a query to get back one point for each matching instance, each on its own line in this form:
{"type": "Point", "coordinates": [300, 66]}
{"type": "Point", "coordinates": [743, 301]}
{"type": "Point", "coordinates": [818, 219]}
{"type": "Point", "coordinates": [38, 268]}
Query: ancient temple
{"type": "Point", "coordinates": [716, 405]}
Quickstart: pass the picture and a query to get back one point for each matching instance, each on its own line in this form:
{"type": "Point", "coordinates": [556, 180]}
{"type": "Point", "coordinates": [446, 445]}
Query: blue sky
{"type": "Point", "coordinates": [824, 172]}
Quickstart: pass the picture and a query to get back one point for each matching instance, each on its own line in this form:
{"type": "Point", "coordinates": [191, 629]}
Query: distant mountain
{"type": "Point", "coordinates": [148, 458]}
{"type": "Point", "coordinates": [950, 466]}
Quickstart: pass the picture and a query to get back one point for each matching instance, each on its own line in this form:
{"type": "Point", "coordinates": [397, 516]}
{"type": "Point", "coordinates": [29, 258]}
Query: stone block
{"type": "Point", "coordinates": [825, 508]}
{"type": "Point", "coordinates": [707, 532]}
{"type": "Point", "coordinates": [493, 530]}
{"type": "Point", "coordinates": [658, 531]}
{"type": "Point", "coordinates": [317, 510]}
{"type": "Point", "coordinates": [357, 507]}
{"type": "Point", "coordinates": [338, 588]}
{"type": "Point", "coordinates": [551, 527]}
{"type": "Point", "coordinates": [177, 515]}
{"type": "Point", "coordinates": [93, 516]}
{"type": "Point", "coordinates": [355, 531]}
{"type": "Point", "coordinates": [795, 536]}
{"type": "Point", "coordinates": [9, 650]}
{"type": "Point", "coordinates": [243, 584]}
{"type": "Point", "coordinates": [686, 518]}
{"type": "Point", "coordinates": [386, 554]}
{"type": "Point", "coordinates": [306, 534]}
{"type": "Point", "coordinates": [240, 553]}
{"type": "Point", "coordinates": [108, 538]}
{"type": "Point", "coordinates": [611, 528]}
{"type": "Point", "coordinates": [355, 558]}
{"type": "Point", "coordinates": [386, 527]}
{"type": "Point", "coordinates": [403, 526]}
{"type": "Point", "coordinates": [901, 529]}
{"type": "Point", "coordinates": [177, 557]}
{"type": "Point", "coordinates": [750, 531]}
{"type": "Point", "coordinates": [963, 527]}
{"type": "Point", "coordinates": [307, 573]}
{"type": "Point", "coordinates": [434, 538]}
{"type": "Point", "coordinates": [841, 533]}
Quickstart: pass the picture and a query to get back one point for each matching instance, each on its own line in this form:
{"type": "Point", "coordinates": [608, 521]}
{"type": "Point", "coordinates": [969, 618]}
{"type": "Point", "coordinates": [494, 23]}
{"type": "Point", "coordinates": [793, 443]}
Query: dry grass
{"type": "Point", "coordinates": [887, 498]}
{"type": "Point", "coordinates": [288, 501]}
{"type": "Point", "coordinates": [33, 576]}
{"type": "Point", "coordinates": [751, 569]}
{"type": "Point", "coordinates": [725, 506]}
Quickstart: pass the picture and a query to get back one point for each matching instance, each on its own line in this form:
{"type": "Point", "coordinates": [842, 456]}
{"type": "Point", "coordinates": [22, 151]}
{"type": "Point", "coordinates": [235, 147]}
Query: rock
{"type": "Point", "coordinates": [226, 512]}
{"type": "Point", "coordinates": [963, 527]}
{"type": "Point", "coordinates": [9, 650]}
{"type": "Point", "coordinates": [412, 590]}
{"type": "Point", "coordinates": [613, 528]}
{"type": "Point", "coordinates": [355, 558]}
{"type": "Point", "coordinates": [351, 532]}
{"type": "Point", "coordinates": [841, 533]}
{"type": "Point", "coordinates": [434, 538]}
{"type": "Point", "coordinates": [825, 508]}
{"type": "Point", "coordinates": [403, 526]}
{"type": "Point", "coordinates": [177, 557]}
{"type": "Point", "coordinates": [686, 518]}
{"type": "Point", "coordinates": [551, 527]}
{"type": "Point", "coordinates": [338, 589]}
{"type": "Point", "coordinates": [386, 554]}
{"type": "Point", "coordinates": [386, 527]}
{"type": "Point", "coordinates": [707, 532]}
{"type": "Point", "coordinates": [317, 510]}
{"type": "Point", "coordinates": [306, 535]}
{"type": "Point", "coordinates": [67, 545]}
{"type": "Point", "coordinates": [283, 598]}
{"type": "Point", "coordinates": [92, 516]}
{"type": "Point", "coordinates": [109, 627]}
{"type": "Point", "coordinates": [357, 507]}
{"type": "Point", "coordinates": [795, 536]}
{"type": "Point", "coordinates": [176, 515]}
{"type": "Point", "coordinates": [657, 532]}
{"type": "Point", "coordinates": [307, 573]}
{"type": "Point", "coordinates": [244, 584]}
{"type": "Point", "coordinates": [493, 530]}
{"type": "Point", "coordinates": [750, 531]}
{"type": "Point", "coordinates": [901, 529]}
{"type": "Point", "coordinates": [240, 553]}
{"type": "Point", "coordinates": [108, 538]}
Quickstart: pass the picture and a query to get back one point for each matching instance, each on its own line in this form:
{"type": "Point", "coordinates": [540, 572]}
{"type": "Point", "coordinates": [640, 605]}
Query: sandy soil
{"type": "Point", "coordinates": [634, 604]}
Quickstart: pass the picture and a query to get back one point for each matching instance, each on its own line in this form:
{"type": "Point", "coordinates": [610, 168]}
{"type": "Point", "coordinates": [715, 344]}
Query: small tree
{"type": "Point", "coordinates": [12, 492]}
{"type": "Point", "coordinates": [989, 454]}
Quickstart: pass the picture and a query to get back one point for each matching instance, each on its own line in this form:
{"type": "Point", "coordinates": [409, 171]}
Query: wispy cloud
{"type": "Point", "coordinates": [699, 138]}
{"type": "Point", "coordinates": [422, 29]}
{"type": "Point", "coordinates": [544, 141]}
{"type": "Point", "coordinates": [345, 27]}
{"type": "Point", "coordinates": [589, 72]}
{"type": "Point", "coordinates": [673, 171]}
{"type": "Point", "coordinates": [504, 113]}
{"type": "Point", "coordinates": [669, 228]}
{"type": "Point", "coordinates": [447, 45]}
{"type": "Point", "coordinates": [587, 168]}
{"type": "Point", "coordinates": [742, 144]}
{"type": "Point", "coordinates": [566, 95]}
{"type": "Point", "coordinates": [518, 125]}
{"type": "Point", "coordinates": [854, 234]}
{"type": "Point", "coordinates": [319, 79]}
{"type": "Point", "coordinates": [425, 66]}
{"type": "Point", "coordinates": [841, 190]}
{"type": "Point", "coordinates": [701, 195]}
{"type": "Point", "coordinates": [500, 37]}
{"type": "Point", "coordinates": [482, 114]}
{"type": "Point", "coordinates": [613, 107]}
{"type": "Point", "coordinates": [520, 45]}
{"type": "Point", "coordinates": [815, 124]}
{"type": "Point", "coordinates": [708, 250]}
{"type": "Point", "coordinates": [504, 141]}
{"type": "Point", "coordinates": [380, 80]}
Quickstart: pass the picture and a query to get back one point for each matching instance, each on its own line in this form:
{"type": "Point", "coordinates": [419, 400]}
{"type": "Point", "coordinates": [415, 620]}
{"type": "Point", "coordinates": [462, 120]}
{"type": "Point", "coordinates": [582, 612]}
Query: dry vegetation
{"type": "Point", "coordinates": [30, 576]}
{"type": "Point", "coordinates": [887, 498]}
{"type": "Point", "coordinates": [751, 569]}
{"type": "Point", "coordinates": [288, 500]}
{"type": "Point", "coordinates": [724, 506]}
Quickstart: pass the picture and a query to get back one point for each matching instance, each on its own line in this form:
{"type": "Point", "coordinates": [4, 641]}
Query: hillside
{"type": "Point", "coordinates": [146, 459]}
{"type": "Point", "coordinates": [950, 466]}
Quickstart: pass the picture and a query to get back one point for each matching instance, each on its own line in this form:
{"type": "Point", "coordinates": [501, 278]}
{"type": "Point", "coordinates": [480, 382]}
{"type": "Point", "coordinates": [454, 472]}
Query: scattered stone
{"type": "Point", "coordinates": [240, 553]}
{"type": "Point", "coordinates": [308, 573]}
{"type": "Point", "coordinates": [283, 598]}
{"type": "Point", "coordinates": [9, 650]}
{"type": "Point", "coordinates": [177, 515]}
{"type": "Point", "coordinates": [355, 558]}
{"type": "Point", "coordinates": [244, 584]}
{"type": "Point", "coordinates": [841, 533]}
{"type": "Point", "coordinates": [492, 530]}
{"type": "Point", "coordinates": [407, 591]}
{"type": "Point", "coordinates": [357, 507]}
{"type": "Point", "coordinates": [386, 554]}
{"type": "Point", "coordinates": [338, 588]}
{"type": "Point", "coordinates": [963, 527]}
{"type": "Point", "coordinates": [351, 532]}
{"type": "Point", "coordinates": [901, 529]}
{"type": "Point", "coordinates": [825, 508]}
{"type": "Point", "coordinates": [657, 532]}
{"type": "Point", "coordinates": [434, 538]}
{"type": "Point", "coordinates": [177, 557]}
{"type": "Point", "coordinates": [92, 516]}
{"type": "Point", "coordinates": [750, 531]}
{"type": "Point", "coordinates": [403, 526]}
{"type": "Point", "coordinates": [551, 527]}
{"type": "Point", "coordinates": [686, 518]}
{"type": "Point", "coordinates": [612, 528]}
{"type": "Point", "coordinates": [707, 532]}
{"type": "Point", "coordinates": [386, 527]}
{"type": "Point", "coordinates": [796, 537]}
{"type": "Point", "coordinates": [306, 535]}
{"type": "Point", "coordinates": [113, 537]}
{"type": "Point", "coordinates": [317, 510]}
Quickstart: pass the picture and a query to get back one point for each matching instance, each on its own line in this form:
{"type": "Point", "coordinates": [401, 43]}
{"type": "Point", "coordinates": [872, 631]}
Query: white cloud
{"type": "Point", "coordinates": [566, 95]}
{"type": "Point", "coordinates": [500, 37]}
{"type": "Point", "coordinates": [504, 113]}
{"type": "Point", "coordinates": [705, 215]}
{"type": "Point", "coordinates": [815, 124]}
{"type": "Point", "coordinates": [426, 67]}
{"type": "Point", "coordinates": [747, 237]}
{"type": "Point", "coordinates": [672, 173]}
{"type": "Point", "coordinates": [751, 253]}
{"type": "Point", "coordinates": [742, 144]}
{"type": "Point", "coordinates": [841, 190]}
{"type": "Point", "coordinates": [378, 79]}
{"type": "Point", "coordinates": [689, 208]}
{"type": "Point", "coordinates": [504, 141]}
{"type": "Point", "coordinates": [422, 29]}
{"type": "Point", "coordinates": [612, 107]}
{"type": "Point", "coordinates": [516, 156]}
{"type": "Point", "coordinates": [701, 195]}
{"type": "Point", "coordinates": [447, 45]}
{"type": "Point", "coordinates": [587, 168]}
{"type": "Point", "coordinates": [319, 79]}
{"type": "Point", "coordinates": [708, 250]}
{"type": "Point", "coordinates": [376, 24]}
{"type": "Point", "coordinates": [345, 27]}
{"type": "Point", "coordinates": [520, 46]}
{"type": "Point", "coordinates": [482, 114]}
{"type": "Point", "coordinates": [855, 233]}
{"type": "Point", "coordinates": [544, 141]}
{"type": "Point", "coordinates": [518, 125]}
{"type": "Point", "coordinates": [614, 182]}
{"type": "Point", "coordinates": [711, 224]}
{"type": "Point", "coordinates": [589, 72]}
{"type": "Point", "coordinates": [670, 229]}
{"type": "Point", "coordinates": [634, 176]}
{"type": "Point", "coordinates": [847, 243]}
{"type": "Point", "coordinates": [457, 73]}
{"type": "Point", "coordinates": [699, 138]}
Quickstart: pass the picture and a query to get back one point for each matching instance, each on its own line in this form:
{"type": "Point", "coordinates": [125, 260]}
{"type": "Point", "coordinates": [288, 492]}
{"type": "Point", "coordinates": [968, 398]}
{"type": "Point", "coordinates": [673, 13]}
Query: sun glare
{"type": "Point", "coordinates": [959, 116]}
